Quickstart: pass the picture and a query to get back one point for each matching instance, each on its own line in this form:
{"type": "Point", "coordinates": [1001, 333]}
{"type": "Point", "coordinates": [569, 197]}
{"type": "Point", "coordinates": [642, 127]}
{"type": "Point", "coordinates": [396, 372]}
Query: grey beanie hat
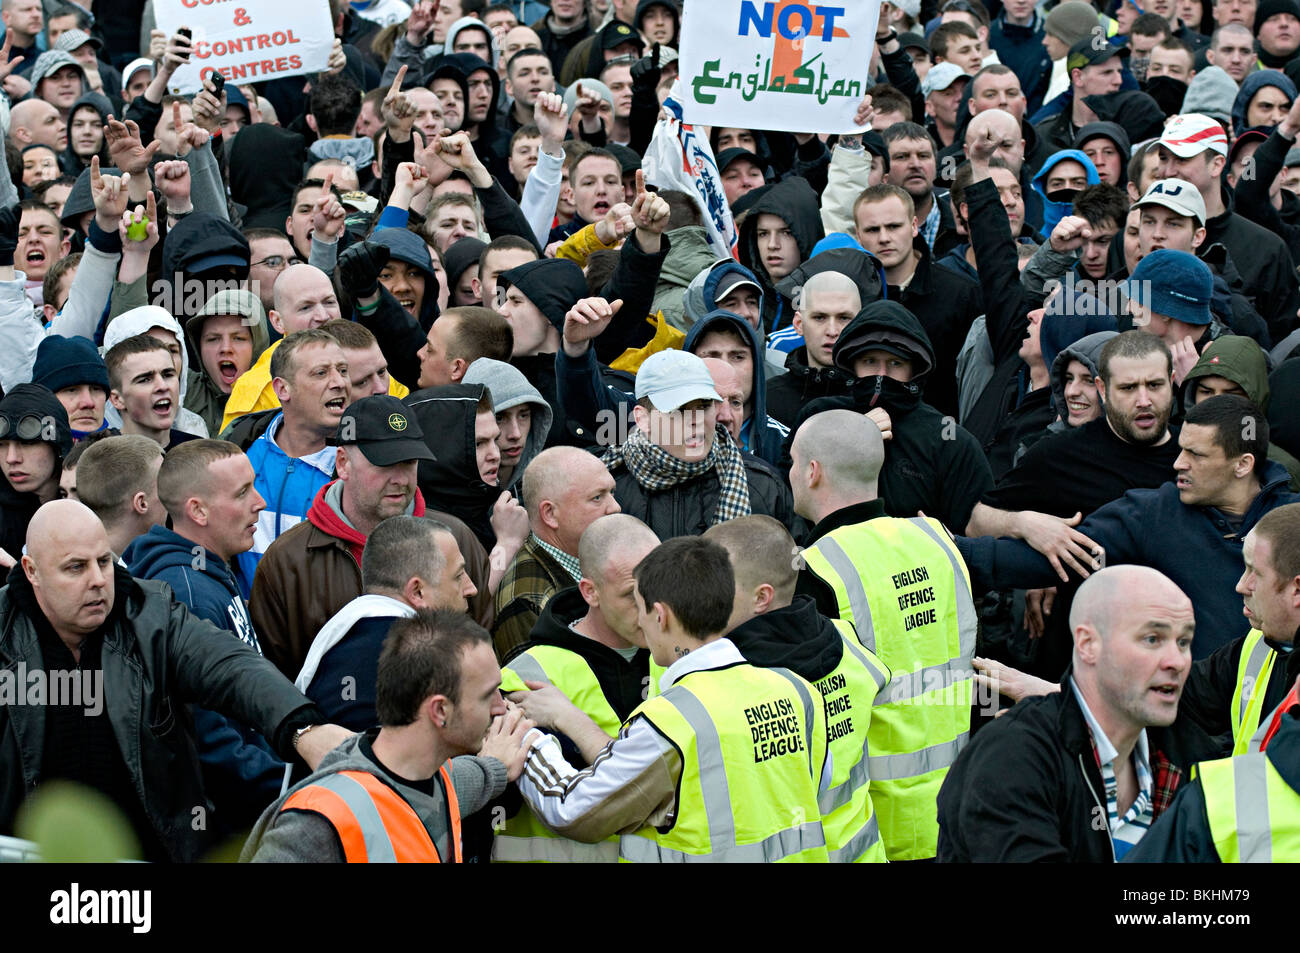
{"type": "Point", "coordinates": [1072, 21]}
{"type": "Point", "coordinates": [1211, 93]}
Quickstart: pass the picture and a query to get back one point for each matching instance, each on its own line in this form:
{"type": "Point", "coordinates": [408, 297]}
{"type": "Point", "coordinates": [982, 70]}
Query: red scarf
{"type": "Point", "coordinates": [326, 519]}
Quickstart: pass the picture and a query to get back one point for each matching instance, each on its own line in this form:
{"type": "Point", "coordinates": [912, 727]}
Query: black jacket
{"type": "Point", "coordinates": [1251, 194]}
{"type": "Point", "coordinates": [796, 637]}
{"type": "Point", "coordinates": [931, 464]}
{"type": "Point", "coordinates": [1027, 788]}
{"type": "Point", "coordinates": [452, 482]}
{"type": "Point", "coordinates": [156, 659]}
{"type": "Point", "coordinates": [946, 304]}
{"type": "Point", "coordinates": [795, 203]}
{"type": "Point", "coordinates": [1268, 275]}
{"type": "Point", "coordinates": [1182, 835]}
{"type": "Point", "coordinates": [802, 384]}
{"type": "Point", "coordinates": [687, 508]}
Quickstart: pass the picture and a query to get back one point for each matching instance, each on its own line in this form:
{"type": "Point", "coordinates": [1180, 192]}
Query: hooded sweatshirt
{"type": "Point", "coordinates": [509, 388]}
{"type": "Point", "coordinates": [1240, 360]}
{"type": "Point", "coordinates": [795, 203]}
{"type": "Point", "coordinates": [931, 464]}
{"type": "Point", "coordinates": [1054, 211]}
{"type": "Point", "coordinates": [1116, 134]}
{"type": "Point", "coordinates": [1210, 91]}
{"type": "Point", "coordinates": [140, 321]}
{"type": "Point", "coordinates": [240, 770]}
{"type": "Point", "coordinates": [407, 246]}
{"type": "Point", "coordinates": [203, 396]}
{"type": "Point", "coordinates": [760, 434]}
{"type": "Point", "coordinates": [17, 509]}
{"type": "Point", "coordinates": [452, 482]}
{"type": "Point", "coordinates": [701, 294]}
{"type": "Point", "coordinates": [265, 165]}
{"type": "Point", "coordinates": [69, 161]}
{"type": "Point", "coordinates": [1251, 85]}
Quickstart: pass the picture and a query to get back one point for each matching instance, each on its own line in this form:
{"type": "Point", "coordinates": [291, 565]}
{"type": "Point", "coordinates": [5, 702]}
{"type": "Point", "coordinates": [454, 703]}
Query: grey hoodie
{"type": "Point", "coordinates": [510, 388]}
{"type": "Point", "coordinates": [138, 321]}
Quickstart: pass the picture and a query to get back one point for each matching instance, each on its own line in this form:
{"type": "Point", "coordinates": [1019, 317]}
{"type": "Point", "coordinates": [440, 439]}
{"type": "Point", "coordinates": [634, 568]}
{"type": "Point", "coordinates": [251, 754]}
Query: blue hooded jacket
{"type": "Point", "coordinates": [1053, 212]}
{"type": "Point", "coordinates": [761, 435]}
{"type": "Point", "coordinates": [1251, 85]}
{"type": "Point", "coordinates": [407, 246]}
{"type": "Point", "coordinates": [240, 771]}
{"type": "Point", "coordinates": [701, 296]}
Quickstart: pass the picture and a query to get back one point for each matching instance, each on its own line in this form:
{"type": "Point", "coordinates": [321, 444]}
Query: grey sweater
{"type": "Point", "coordinates": [304, 837]}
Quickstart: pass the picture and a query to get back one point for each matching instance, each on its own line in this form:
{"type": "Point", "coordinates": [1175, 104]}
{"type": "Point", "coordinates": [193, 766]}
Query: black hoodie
{"type": "Point", "coordinates": [193, 238]}
{"type": "Point", "coordinates": [265, 167]}
{"type": "Point", "coordinates": [622, 681]}
{"type": "Point", "coordinates": [452, 482]}
{"type": "Point", "coordinates": [796, 637]}
{"type": "Point", "coordinates": [795, 203]}
{"type": "Point", "coordinates": [69, 161]}
{"type": "Point", "coordinates": [931, 464]}
{"type": "Point", "coordinates": [17, 509]}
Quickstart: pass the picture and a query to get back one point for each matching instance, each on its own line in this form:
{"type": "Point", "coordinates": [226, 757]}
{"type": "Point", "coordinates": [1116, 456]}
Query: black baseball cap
{"type": "Point", "coordinates": [616, 33]}
{"type": "Point", "coordinates": [728, 156]}
{"type": "Point", "coordinates": [385, 429]}
{"type": "Point", "coordinates": [1092, 50]}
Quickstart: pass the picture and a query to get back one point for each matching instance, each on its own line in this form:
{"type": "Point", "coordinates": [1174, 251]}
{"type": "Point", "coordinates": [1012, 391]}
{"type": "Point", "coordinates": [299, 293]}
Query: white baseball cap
{"type": "Point", "coordinates": [1190, 134]}
{"type": "Point", "coordinates": [674, 378]}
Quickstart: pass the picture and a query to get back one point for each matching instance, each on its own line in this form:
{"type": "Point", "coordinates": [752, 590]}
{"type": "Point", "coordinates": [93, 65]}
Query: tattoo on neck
{"type": "Point", "coordinates": [679, 651]}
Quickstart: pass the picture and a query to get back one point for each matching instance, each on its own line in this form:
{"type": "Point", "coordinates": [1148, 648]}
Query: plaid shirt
{"type": "Point", "coordinates": [533, 577]}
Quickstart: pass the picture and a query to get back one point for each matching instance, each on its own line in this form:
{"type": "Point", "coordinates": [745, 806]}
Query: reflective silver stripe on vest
{"type": "Point", "coordinates": [792, 840]}
{"type": "Point", "coordinates": [379, 849]}
{"type": "Point", "coordinates": [967, 619]}
{"type": "Point", "coordinates": [809, 720]}
{"type": "Point", "coordinates": [717, 798]}
{"type": "Point", "coordinates": [554, 850]}
{"type": "Point", "coordinates": [851, 576]}
{"type": "Point", "coordinates": [859, 774]}
{"type": "Point", "coordinates": [928, 679]}
{"type": "Point", "coordinates": [712, 770]}
{"type": "Point", "coordinates": [1254, 666]}
{"type": "Point", "coordinates": [528, 668]}
{"type": "Point", "coordinates": [1250, 790]}
{"type": "Point", "coordinates": [1257, 739]}
{"type": "Point", "coordinates": [859, 844]}
{"type": "Point", "coordinates": [894, 767]}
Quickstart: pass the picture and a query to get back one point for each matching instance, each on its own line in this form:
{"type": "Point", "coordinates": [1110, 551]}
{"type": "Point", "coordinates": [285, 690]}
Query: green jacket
{"type": "Point", "coordinates": [1240, 360]}
{"type": "Point", "coordinates": [689, 254]}
{"type": "Point", "coordinates": [157, 659]}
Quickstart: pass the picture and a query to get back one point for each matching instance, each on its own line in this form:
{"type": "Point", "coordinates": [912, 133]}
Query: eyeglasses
{"type": "Point", "coordinates": [278, 262]}
{"type": "Point", "coordinates": [28, 427]}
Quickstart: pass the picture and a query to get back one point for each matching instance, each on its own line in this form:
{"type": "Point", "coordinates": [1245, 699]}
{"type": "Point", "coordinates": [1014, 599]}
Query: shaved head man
{"type": "Point", "coordinates": [1006, 127]}
{"type": "Point", "coordinates": [36, 122]}
{"type": "Point", "coordinates": [564, 489]}
{"type": "Point", "coordinates": [1132, 629]}
{"type": "Point", "coordinates": [830, 300]}
{"type": "Point", "coordinates": [69, 564]}
{"type": "Point", "coordinates": [836, 458]}
{"type": "Point", "coordinates": [304, 298]}
{"type": "Point", "coordinates": [608, 554]}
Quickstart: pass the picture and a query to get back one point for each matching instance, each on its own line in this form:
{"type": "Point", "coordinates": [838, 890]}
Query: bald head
{"type": "Point", "coordinates": [58, 523]}
{"type": "Point", "coordinates": [555, 472]}
{"type": "Point", "coordinates": [69, 564]}
{"type": "Point", "coordinates": [35, 121]}
{"type": "Point", "coordinates": [1105, 595]}
{"type": "Point", "coordinates": [762, 553]}
{"type": "Point", "coordinates": [847, 444]}
{"type": "Point", "coordinates": [565, 489]}
{"type": "Point", "coordinates": [830, 282]}
{"type": "Point", "coordinates": [304, 298]}
{"type": "Point", "coordinates": [615, 538]}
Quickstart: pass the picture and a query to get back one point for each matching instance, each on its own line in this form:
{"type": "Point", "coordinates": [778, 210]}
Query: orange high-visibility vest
{"type": "Point", "coordinates": [374, 823]}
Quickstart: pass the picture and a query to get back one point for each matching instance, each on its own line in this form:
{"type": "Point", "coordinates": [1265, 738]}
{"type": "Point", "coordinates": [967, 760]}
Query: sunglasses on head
{"type": "Point", "coordinates": [27, 427]}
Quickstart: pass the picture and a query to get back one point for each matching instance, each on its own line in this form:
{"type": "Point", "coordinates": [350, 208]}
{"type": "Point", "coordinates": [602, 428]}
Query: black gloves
{"type": "Point", "coordinates": [646, 71]}
{"type": "Point", "coordinates": [9, 218]}
{"type": "Point", "coordinates": [359, 268]}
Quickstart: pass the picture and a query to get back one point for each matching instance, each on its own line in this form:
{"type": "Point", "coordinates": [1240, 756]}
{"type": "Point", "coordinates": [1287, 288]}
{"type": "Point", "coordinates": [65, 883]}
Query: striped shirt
{"type": "Point", "coordinates": [1127, 829]}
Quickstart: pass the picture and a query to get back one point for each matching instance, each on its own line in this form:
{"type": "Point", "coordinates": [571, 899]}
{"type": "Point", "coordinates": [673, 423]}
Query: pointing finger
{"type": "Point", "coordinates": [640, 182]}
{"type": "Point", "coordinates": [397, 82]}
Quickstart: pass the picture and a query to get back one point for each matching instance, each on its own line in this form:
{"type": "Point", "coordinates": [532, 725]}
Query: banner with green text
{"type": "Point", "coordinates": [777, 64]}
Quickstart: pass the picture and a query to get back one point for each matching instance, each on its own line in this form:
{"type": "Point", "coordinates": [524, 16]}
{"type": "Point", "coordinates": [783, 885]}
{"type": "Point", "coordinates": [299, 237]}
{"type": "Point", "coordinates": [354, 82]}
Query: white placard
{"type": "Point", "coordinates": [777, 64]}
{"type": "Point", "coordinates": [248, 41]}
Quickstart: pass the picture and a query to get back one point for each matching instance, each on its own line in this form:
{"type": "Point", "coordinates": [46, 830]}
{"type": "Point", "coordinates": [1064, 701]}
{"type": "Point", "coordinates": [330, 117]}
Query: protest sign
{"type": "Point", "coordinates": [248, 41]}
{"type": "Point", "coordinates": [776, 64]}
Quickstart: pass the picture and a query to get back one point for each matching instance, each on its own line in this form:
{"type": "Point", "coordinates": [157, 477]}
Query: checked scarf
{"type": "Point", "coordinates": [657, 469]}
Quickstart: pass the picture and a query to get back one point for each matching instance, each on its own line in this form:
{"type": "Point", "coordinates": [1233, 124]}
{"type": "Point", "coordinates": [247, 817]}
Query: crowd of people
{"type": "Point", "coordinates": [400, 471]}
